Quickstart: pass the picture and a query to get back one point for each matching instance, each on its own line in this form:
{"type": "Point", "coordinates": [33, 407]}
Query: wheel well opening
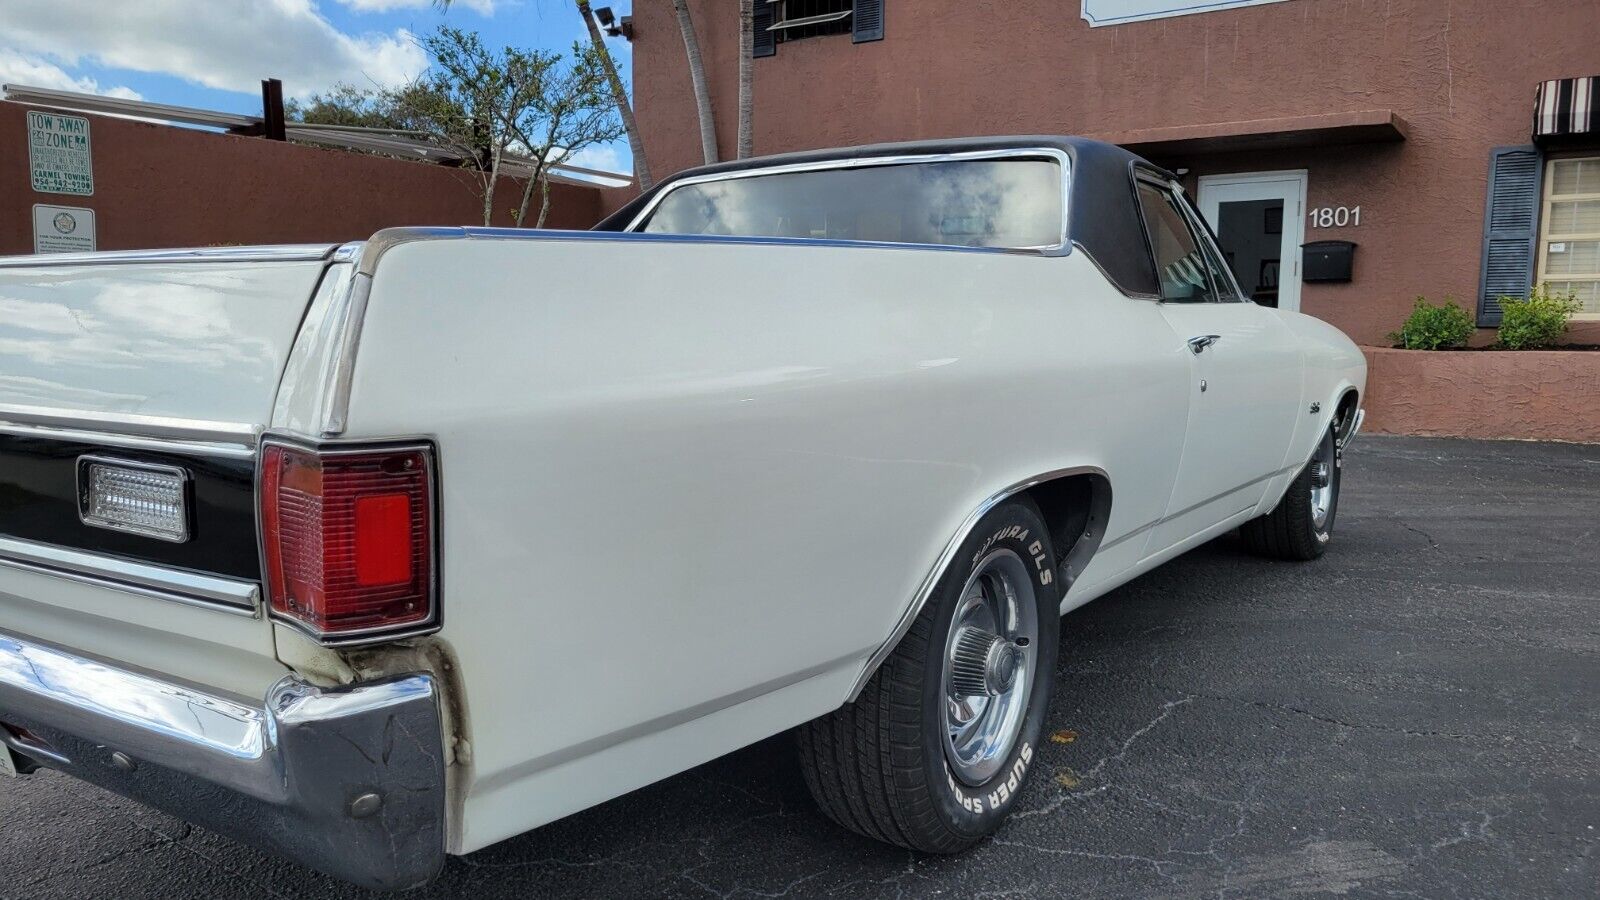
{"type": "Point", "coordinates": [1345, 415]}
{"type": "Point", "coordinates": [1076, 509]}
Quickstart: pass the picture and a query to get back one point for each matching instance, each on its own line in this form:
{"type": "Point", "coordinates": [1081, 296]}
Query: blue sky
{"type": "Point", "coordinates": [213, 53]}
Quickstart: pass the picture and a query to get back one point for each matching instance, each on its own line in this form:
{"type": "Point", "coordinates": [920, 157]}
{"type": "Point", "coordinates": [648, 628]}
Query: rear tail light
{"type": "Point", "coordinates": [348, 539]}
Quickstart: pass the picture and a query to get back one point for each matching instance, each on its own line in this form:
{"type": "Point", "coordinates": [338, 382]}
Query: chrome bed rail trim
{"type": "Point", "coordinates": [130, 441]}
{"type": "Point", "coordinates": [390, 238]}
{"type": "Point", "coordinates": [168, 428]}
{"type": "Point", "coordinates": [264, 253]}
{"type": "Point", "coordinates": [230, 595]}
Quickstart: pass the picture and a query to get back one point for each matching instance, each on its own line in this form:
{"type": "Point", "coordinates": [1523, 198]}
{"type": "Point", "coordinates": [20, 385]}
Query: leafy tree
{"type": "Point", "coordinates": [566, 110]}
{"type": "Point", "coordinates": [494, 111]}
{"type": "Point", "coordinates": [619, 91]}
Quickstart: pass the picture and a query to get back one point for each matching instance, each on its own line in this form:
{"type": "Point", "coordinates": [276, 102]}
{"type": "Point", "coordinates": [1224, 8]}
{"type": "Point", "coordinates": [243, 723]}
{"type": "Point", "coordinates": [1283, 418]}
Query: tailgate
{"type": "Point", "coordinates": [162, 359]}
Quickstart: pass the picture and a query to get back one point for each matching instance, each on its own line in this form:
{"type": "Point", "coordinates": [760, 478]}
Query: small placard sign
{"type": "Point", "coordinates": [63, 229]}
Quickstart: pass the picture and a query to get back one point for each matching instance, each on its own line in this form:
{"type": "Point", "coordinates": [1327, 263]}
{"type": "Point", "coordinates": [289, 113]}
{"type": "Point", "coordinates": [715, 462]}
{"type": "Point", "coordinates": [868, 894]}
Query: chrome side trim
{"type": "Point", "coordinates": [347, 780]}
{"type": "Point", "coordinates": [336, 395]}
{"type": "Point", "coordinates": [262, 253]}
{"type": "Point", "coordinates": [210, 591]}
{"type": "Point", "coordinates": [656, 725]}
{"type": "Point", "coordinates": [931, 580]}
{"type": "Point", "coordinates": [1354, 429]}
{"type": "Point", "coordinates": [863, 162]}
{"type": "Point", "coordinates": [166, 428]}
{"type": "Point", "coordinates": [130, 442]}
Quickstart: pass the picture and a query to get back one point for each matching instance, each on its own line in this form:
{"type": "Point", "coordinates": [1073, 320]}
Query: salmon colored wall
{"type": "Point", "coordinates": [162, 186]}
{"type": "Point", "coordinates": [1460, 72]}
{"type": "Point", "coordinates": [1535, 395]}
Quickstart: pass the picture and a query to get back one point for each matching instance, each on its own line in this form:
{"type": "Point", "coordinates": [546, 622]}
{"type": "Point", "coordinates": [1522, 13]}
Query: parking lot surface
{"type": "Point", "coordinates": [1417, 714]}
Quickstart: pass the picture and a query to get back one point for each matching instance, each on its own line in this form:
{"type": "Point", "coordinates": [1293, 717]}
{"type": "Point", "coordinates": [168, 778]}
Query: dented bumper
{"type": "Point", "coordinates": [350, 781]}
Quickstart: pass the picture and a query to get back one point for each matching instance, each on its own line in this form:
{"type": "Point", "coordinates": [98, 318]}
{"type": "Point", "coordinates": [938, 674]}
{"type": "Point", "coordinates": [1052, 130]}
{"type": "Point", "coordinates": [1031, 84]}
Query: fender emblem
{"type": "Point", "coordinates": [1316, 408]}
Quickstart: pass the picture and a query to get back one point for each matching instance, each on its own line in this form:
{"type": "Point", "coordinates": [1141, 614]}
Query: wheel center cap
{"type": "Point", "coordinates": [984, 663]}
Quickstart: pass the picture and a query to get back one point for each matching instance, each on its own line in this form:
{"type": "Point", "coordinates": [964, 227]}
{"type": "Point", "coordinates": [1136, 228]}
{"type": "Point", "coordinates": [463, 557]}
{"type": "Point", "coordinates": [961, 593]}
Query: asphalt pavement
{"type": "Point", "coordinates": [1417, 714]}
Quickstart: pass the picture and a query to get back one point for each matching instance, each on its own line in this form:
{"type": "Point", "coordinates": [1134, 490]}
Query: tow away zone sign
{"type": "Point", "coordinates": [58, 154]}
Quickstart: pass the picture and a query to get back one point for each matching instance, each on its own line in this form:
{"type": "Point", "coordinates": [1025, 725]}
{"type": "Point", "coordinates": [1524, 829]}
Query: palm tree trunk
{"type": "Point", "coordinates": [697, 75]}
{"type": "Point", "coordinates": [619, 94]}
{"type": "Point", "coordinates": [747, 46]}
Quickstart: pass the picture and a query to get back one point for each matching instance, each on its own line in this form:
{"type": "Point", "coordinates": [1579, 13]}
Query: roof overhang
{"type": "Point", "coordinates": [1368, 126]}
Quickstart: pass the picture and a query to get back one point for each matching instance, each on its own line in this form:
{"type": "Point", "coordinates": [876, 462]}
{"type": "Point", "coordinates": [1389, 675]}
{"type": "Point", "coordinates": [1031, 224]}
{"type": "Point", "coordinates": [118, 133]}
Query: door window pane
{"type": "Point", "coordinates": [1180, 266]}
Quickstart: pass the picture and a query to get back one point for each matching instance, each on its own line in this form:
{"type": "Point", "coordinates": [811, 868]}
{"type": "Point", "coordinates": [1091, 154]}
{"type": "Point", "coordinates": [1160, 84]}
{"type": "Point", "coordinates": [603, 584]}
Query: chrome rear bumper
{"type": "Point", "coordinates": [349, 781]}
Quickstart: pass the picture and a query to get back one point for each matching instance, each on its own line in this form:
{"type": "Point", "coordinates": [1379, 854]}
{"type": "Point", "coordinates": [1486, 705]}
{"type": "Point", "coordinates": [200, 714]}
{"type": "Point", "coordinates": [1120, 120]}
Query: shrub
{"type": "Point", "coordinates": [1432, 327]}
{"type": "Point", "coordinates": [1539, 321]}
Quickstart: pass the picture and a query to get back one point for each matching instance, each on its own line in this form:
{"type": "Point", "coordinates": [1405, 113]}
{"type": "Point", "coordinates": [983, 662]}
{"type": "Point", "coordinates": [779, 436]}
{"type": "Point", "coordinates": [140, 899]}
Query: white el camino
{"type": "Point", "coordinates": [377, 553]}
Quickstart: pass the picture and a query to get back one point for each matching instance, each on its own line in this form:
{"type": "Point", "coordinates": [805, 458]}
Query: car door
{"type": "Point", "coordinates": [1244, 366]}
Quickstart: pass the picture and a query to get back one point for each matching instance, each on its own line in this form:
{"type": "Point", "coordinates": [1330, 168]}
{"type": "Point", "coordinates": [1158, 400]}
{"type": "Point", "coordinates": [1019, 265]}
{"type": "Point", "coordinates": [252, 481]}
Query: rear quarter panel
{"type": "Point", "coordinates": [688, 488]}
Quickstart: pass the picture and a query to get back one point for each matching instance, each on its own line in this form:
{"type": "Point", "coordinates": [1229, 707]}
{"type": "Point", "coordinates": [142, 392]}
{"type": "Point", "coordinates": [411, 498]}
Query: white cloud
{"type": "Point", "coordinates": [226, 44]}
{"type": "Point", "coordinates": [20, 68]}
{"type": "Point", "coordinates": [481, 7]}
{"type": "Point", "coordinates": [605, 157]}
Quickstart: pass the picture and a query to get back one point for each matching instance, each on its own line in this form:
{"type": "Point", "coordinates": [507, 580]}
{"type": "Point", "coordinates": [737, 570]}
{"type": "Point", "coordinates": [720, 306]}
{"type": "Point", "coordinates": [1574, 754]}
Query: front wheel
{"type": "Point", "coordinates": [933, 753]}
{"type": "Point", "coordinates": [1301, 525]}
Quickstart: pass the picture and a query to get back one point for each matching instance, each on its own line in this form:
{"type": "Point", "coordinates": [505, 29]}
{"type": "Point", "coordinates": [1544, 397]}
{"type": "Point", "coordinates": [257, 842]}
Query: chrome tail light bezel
{"type": "Point", "coordinates": [376, 634]}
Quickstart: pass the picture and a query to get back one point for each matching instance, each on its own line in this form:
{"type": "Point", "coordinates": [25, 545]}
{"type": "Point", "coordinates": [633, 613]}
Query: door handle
{"type": "Point", "coordinates": [1199, 343]}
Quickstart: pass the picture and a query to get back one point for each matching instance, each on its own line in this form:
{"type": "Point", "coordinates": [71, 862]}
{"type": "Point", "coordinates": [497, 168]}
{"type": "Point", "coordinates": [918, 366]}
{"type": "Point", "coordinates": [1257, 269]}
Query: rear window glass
{"type": "Point", "coordinates": [967, 203]}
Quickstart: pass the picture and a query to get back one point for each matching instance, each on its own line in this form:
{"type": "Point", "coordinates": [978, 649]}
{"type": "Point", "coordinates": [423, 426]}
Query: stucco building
{"type": "Point", "coordinates": [1406, 127]}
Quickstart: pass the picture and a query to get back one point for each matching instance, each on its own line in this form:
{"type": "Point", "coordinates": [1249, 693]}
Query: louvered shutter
{"type": "Point", "coordinates": [868, 21]}
{"type": "Point", "coordinates": [766, 43]}
{"type": "Point", "coordinates": [1510, 228]}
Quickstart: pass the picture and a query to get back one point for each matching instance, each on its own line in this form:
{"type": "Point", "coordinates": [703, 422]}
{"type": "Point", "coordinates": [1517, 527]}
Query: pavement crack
{"type": "Point", "coordinates": [1095, 770]}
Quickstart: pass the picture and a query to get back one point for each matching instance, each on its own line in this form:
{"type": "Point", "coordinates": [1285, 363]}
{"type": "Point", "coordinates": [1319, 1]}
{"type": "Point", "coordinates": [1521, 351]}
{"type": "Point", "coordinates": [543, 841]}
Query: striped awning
{"type": "Point", "coordinates": [1566, 106]}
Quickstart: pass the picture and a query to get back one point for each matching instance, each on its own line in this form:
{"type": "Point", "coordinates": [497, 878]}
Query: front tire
{"type": "Point", "coordinates": [933, 753]}
{"type": "Point", "coordinates": [1301, 525]}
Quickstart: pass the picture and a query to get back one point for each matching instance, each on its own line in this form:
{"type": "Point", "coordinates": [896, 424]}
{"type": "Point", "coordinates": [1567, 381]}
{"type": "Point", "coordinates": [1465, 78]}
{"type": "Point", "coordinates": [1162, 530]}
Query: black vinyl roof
{"type": "Point", "coordinates": [1103, 219]}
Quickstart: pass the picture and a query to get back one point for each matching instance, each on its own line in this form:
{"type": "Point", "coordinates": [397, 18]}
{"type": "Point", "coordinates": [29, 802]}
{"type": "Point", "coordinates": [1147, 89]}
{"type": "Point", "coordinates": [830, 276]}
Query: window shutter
{"type": "Point", "coordinates": [766, 42]}
{"type": "Point", "coordinates": [868, 21]}
{"type": "Point", "coordinates": [1510, 228]}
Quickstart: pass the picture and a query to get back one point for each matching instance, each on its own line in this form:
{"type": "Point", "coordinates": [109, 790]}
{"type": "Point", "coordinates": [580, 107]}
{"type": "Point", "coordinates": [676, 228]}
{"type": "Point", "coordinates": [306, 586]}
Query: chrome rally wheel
{"type": "Point", "coordinates": [989, 666]}
{"type": "Point", "coordinates": [934, 752]}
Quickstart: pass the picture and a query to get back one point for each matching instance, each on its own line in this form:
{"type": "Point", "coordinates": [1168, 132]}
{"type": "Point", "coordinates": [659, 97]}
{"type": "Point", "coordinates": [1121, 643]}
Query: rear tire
{"type": "Point", "coordinates": [933, 753]}
{"type": "Point", "coordinates": [1301, 525]}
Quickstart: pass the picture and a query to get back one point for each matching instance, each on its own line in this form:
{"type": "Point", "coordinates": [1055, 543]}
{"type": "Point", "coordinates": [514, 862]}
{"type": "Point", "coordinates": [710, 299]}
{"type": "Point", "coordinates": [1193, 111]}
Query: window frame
{"type": "Point", "coordinates": [1061, 247]}
{"type": "Point", "coordinates": [781, 27]}
{"type": "Point", "coordinates": [1224, 289]}
{"type": "Point", "coordinates": [1547, 200]}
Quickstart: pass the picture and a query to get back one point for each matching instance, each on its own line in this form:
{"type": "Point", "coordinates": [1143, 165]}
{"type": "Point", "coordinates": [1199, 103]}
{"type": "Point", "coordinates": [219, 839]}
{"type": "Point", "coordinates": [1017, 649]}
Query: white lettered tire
{"type": "Point", "coordinates": [936, 749]}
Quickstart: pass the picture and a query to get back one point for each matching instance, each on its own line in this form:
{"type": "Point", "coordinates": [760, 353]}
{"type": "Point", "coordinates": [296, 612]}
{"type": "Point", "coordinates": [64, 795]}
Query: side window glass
{"type": "Point", "coordinates": [1227, 286]}
{"type": "Point", "coordinates": [1181, 266]}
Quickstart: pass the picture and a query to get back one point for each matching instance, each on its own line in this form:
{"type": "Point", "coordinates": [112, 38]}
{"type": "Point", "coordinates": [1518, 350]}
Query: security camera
{"type": "Point", "coordinates": [608, 21]}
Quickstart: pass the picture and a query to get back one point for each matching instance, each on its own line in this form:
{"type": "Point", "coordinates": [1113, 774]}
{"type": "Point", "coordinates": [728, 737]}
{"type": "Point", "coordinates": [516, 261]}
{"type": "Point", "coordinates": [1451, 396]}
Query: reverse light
{"type": "Point", "coordinates": [348, 539]}
{"type": "Point", "coordinates": [135, 497]}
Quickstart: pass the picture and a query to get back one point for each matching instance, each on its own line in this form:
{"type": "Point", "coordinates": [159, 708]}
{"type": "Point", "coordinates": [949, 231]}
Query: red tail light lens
{"type": "Point", "coordinates": [349, 538]}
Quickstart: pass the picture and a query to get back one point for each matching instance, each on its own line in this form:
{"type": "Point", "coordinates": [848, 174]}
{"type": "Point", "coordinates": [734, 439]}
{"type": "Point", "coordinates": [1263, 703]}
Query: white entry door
{"type": "Point", "coordinates": [1259, 220]}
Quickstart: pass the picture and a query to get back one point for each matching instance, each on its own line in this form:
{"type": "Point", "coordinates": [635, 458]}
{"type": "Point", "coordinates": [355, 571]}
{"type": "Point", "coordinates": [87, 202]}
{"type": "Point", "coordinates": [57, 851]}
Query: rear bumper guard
{"type": "Point", "coordinates": [350, 781]}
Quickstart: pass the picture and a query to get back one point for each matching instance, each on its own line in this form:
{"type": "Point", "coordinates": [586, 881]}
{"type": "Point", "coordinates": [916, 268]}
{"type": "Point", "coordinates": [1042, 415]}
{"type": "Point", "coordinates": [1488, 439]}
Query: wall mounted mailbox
{"type": "Point", "coordinates": [1328, 260]}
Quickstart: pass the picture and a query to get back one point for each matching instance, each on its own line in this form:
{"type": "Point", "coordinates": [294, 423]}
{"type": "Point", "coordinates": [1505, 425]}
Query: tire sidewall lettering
{"type": "Point", "coordinates": [975, 808]}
